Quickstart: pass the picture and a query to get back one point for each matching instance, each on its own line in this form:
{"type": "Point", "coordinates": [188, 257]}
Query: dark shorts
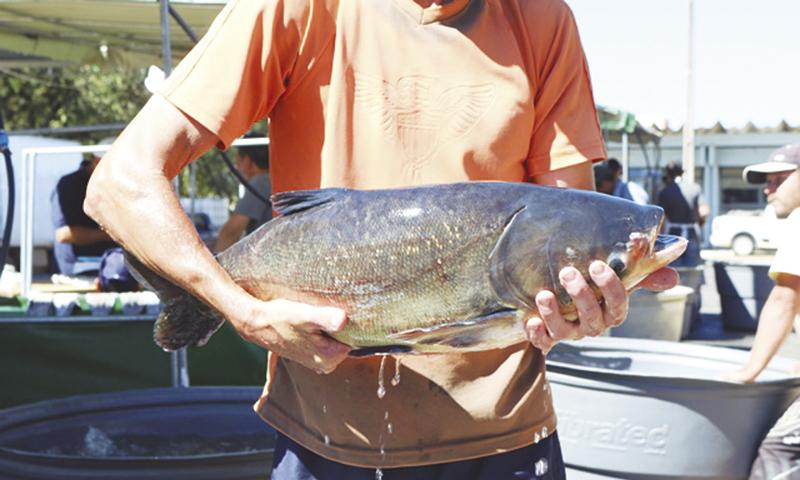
{"type": "Point", "coordinates": [779, 454]}
{"type": "Point", "coordinates": [540, 461]}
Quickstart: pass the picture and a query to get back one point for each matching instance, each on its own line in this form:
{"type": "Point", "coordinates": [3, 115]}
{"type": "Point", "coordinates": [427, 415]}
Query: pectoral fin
{"type": "Point", "coordinates": [493, 330]}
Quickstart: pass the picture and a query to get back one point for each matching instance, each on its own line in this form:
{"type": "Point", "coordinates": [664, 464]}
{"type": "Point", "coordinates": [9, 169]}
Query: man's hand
{"type": "Point", "coordinates": [295, 331]}
{"type": "Point", "coordinates": [593, 318]}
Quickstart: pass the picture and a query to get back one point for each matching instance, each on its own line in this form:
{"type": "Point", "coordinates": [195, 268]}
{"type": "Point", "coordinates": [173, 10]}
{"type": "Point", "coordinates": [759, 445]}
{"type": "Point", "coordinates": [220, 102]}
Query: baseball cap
{"type": "Point", "coordinates": [784, 159]}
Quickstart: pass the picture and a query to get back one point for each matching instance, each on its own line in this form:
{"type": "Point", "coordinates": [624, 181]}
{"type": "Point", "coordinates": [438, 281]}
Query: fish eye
{"type": "Point", "coordinates": [617, 264]}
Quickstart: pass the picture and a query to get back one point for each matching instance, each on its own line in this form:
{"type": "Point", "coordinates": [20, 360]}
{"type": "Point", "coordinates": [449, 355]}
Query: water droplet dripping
{"type": "Point", "coordinates": [536, 437]}
{"type": "Point", "coordinates": [389, 428]}
{"type": "Point", "coordinates": [541, 467]}
{"type": "Point", "coordinates": [378, 474]}
{"type": "Point", "coordinates": [381, 387]}
{"type": "Point", "coordinates": [396, 378]}
{"type": "Point", "coordinates": [544, 432]}
{"type": "Point", "coordinates": [327, 440]}
{"type": "Point", "coordinates": [324, 408]}
{"type": "Point", "coordinates": [383, 452]}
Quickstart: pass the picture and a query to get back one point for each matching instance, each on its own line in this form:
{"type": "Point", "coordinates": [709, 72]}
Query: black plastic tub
{"type": "Point", "coordinates": [199, 433]}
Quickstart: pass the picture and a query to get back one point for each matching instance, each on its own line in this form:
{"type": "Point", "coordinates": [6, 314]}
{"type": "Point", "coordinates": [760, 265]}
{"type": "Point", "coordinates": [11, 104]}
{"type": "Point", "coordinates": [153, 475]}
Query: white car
{"type": "Point", "coordinates": [744, 231]}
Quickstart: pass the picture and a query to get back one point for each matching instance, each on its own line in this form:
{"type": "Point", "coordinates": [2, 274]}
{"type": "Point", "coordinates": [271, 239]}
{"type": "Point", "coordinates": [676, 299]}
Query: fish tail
{"type": "Point", "coordinates": [184, 321]}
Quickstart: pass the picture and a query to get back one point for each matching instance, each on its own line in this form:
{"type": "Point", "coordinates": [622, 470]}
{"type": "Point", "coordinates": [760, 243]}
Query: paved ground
{"type": "Point", "coordinates": [710, 329]}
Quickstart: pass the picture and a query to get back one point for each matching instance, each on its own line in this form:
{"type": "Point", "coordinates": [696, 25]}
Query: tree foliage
{"type": "Point", "coordinates": [32, 98]}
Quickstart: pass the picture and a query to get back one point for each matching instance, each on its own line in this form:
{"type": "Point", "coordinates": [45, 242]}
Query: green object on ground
{"type": "Point", "coordinates": [42, 361]}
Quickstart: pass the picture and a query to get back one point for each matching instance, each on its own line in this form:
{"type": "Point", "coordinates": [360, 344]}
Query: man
{"type": "Point", "coordinates": [779, 454]}
{"type": "Point", "coordinates": [378, 94]}
{"type": "Point", "coordinates": [627, 190]}
{"type": "Point", "coordinates": [251, 212]}
{"type": "Point", "coordinates": [686, 210]}
{"type": "Point", "coordinates": [782, 177]}
{"type": "Point", "coordinates": [76, 235]}
{"type": "Point", "coordinates": [604, 180]}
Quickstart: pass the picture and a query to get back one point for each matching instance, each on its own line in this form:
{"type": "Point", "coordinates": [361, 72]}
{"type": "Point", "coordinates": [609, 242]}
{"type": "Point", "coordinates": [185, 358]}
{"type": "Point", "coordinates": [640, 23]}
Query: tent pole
{"type": "Point", "coordinates": [179, 359]}
{"type": "Point", "coordinates": [626, 159]}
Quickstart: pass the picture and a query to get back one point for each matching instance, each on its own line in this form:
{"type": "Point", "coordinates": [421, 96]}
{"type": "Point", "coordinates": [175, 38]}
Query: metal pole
{"type": "Point", "coordinates": [688, 124]}
{"type": "Point", "coordinates": [25, 240]}
{"type": "Point", "coordinates": [179, 360]}
{"type": "Point", "coordinates": [626, 156]}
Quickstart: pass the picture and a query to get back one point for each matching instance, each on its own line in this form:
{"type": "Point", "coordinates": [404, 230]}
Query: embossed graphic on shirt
{"type": "Point", "coordinates": [421, 112]}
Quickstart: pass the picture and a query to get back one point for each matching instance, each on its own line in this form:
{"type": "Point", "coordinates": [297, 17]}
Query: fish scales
{"type": "Point", "coordinates": [427, 269]}
{"type": "Point", "coordinates": [412, 257]}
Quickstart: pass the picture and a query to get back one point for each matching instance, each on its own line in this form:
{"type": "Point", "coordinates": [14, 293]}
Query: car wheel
{"type": "Point", "coordinates": [743, 244]}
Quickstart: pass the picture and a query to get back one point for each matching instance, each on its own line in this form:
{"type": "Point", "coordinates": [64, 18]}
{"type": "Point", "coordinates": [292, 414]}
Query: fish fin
{"type": "Point", "coordinates": [288, 203]}
{"type": "Point", "coordinates": [380, 350]}
{"type": "Point", "coordinates": [493, 330]}
{"type": "Point", "coordinates": [184, 321]}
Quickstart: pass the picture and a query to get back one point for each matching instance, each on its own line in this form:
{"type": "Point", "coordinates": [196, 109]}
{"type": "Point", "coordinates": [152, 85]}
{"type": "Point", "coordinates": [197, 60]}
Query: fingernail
{"type": "Point", "coordinates": [545, 308]}
{"type": "Point", "coordinates": [569, 274]}
{"type": "Point", "coordinates": [597, 268]}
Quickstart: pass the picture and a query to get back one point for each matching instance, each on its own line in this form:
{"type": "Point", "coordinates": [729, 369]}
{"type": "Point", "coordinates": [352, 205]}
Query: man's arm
{"type": "Point", "coordinates": [77, 235]}
{"type": "Point", "coordinates": [231, 232]}
{"type": "Point", "coordinates": [131, 197]}
{"type": "Point", "coordinates": [550, 327]}
{"type": "Point", "coordinates": [774, 325]}
{"type": "Point", "coordinates": [787, 197]}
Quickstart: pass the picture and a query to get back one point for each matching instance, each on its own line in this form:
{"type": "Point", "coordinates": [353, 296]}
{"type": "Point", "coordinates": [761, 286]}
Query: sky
{"type": "Point", "coordinates": [746, 59]}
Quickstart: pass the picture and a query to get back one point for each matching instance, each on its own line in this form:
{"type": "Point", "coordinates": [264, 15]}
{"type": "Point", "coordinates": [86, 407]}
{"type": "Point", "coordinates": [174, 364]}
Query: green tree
{"type": "Point", "coordinates": [91, 95]}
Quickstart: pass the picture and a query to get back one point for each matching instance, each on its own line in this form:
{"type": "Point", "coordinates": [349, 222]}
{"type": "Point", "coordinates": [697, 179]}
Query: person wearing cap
{"type": "Point", "coordinates": [251, 212]}
{"type": "Point", "coordinates": [685, 209]}
{"type": "Point", "coordinates": [780, 171]}
{"type": "Point", "coordinates": [76, 235]}
{"type": "Point", "coordinates": [779, 453]}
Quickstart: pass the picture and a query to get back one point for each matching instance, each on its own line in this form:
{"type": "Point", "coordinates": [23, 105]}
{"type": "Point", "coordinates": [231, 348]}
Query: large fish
{"type": "Point", "coordinates": [430, 269]}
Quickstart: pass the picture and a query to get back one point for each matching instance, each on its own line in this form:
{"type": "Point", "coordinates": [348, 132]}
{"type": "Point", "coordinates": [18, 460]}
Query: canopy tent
{"type": "Point", "coordinates": [616, 123]}
{"type": "Point", "coordinates": [124, 32]}
{"type": "Point", "coordinates": [619, 126]}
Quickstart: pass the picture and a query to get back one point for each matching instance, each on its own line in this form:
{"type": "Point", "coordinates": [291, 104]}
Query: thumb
{"type": "Point", "coordinates": [334, 319]}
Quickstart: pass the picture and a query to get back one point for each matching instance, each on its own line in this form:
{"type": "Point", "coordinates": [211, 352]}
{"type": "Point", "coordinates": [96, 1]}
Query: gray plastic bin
{"type": "Point", "coordinates": [633, 408]}
{"type": "Point", "coordinates": [743, 290]}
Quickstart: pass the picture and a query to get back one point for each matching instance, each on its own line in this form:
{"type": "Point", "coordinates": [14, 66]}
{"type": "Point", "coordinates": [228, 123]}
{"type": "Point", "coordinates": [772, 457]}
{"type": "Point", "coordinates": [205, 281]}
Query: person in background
{"type": "Point", "coordinates": [779, 454]}
{"type": "Point", "coordinates": [251, 212]}
{"type": "Point", "coordinates": [76, 235]}
{"type": "Point", "coordinates": [686, 210]}
{"type": "Point", "coordinates": [627, 190]}
{"type": "Point", "coordinates": [603, 179]}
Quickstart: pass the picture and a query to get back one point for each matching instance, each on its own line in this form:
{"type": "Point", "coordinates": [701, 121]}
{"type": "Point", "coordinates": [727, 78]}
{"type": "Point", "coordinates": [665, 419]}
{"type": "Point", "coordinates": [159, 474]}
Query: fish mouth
{"type": "Point", "coordinates": [667, 248]}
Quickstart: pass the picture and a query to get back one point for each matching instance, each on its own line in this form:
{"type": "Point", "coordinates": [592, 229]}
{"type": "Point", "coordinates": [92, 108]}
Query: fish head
{"type": "Point", "coordinates": [627, 238]}
{"type": "Point", "coordinates": [574, 229]}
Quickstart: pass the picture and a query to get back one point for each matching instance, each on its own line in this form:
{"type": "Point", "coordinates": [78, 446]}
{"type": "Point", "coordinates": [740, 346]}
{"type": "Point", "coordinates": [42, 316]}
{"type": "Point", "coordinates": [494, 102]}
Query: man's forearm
{"type": "Point", "coordinates": [774, 325]}
{"type": "Point", "coordinates": [77, 235]}
{"type": "Point", "coordinates": [131, 197]}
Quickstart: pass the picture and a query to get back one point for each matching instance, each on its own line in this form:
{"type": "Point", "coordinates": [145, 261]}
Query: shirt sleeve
{"type": "Point", "coordinates": [234, 76]}
{"type": "Point", "coordinates": [566, 127]}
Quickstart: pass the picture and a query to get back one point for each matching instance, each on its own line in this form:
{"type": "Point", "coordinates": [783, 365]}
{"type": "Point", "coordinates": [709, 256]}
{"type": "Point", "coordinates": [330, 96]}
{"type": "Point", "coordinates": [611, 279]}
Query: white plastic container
{"type": "Point", "coordinates": [657, 316]}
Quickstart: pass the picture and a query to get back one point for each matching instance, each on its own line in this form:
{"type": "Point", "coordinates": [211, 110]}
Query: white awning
{"type": "Point", "coordinates": [126, 32]}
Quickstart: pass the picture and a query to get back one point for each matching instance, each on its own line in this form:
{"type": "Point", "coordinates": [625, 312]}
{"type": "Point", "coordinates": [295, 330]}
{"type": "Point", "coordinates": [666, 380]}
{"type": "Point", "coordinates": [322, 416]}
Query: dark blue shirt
{"type": "Point", "coordinates": [66, 203]}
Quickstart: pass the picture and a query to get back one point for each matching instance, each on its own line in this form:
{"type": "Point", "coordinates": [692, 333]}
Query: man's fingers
{"type": "Point", "coordinates": [558, 327]}
{"type": "Point", "coordinates": [309, 317]}
{"type": "Point", "coordinates": [613, 292]}
{"type": "Point", "coordinates": [538, 335]}
{"type": "Point", "coordinates": [660, 280]}
{"type": "Point", "coordinates": [589, 311]}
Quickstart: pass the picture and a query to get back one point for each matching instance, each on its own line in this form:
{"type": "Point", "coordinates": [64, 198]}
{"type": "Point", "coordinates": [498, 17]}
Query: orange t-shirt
{"type": "Point", "coordinates": [385, 93]}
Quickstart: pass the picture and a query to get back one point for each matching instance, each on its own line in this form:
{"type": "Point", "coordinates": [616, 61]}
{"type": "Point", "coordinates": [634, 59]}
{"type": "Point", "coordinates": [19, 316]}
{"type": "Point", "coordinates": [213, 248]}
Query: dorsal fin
{"type": "Point", "coordinates": [287, 203]}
